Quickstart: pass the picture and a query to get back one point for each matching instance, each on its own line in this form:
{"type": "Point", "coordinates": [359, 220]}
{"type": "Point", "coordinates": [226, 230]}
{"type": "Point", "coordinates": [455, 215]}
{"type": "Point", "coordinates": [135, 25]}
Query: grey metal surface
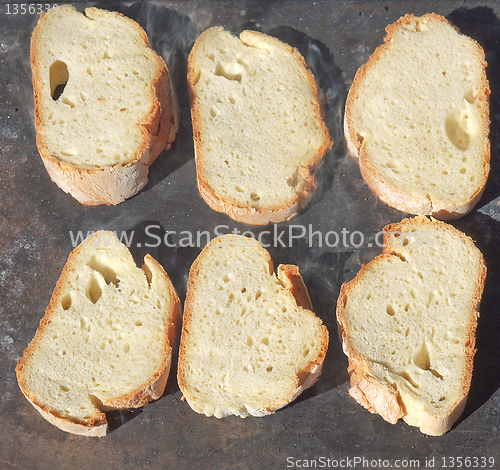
{"type": "Point", "coordinates": [36, 219]}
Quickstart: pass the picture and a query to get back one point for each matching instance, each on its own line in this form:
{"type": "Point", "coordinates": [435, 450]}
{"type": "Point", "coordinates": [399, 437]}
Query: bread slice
{"type": "Point", "coordinates": [408, 321]}
{"type": "Point", "coordinates": [250, 343]}
{"type": "Point", "coordinates": [257, 125]}
{"type": "Point", "coordinates": [105, 341]}
{"type": "Point", "coordinates": [417, 116]}
{"type": "Point", "coordinates": [117, 111]}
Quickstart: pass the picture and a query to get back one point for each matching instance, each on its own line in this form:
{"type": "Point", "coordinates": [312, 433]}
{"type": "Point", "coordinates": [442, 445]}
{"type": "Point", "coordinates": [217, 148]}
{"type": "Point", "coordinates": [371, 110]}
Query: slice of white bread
{"type": "Point", "coordinates": [117, 111]}
{"type": "Point", "coordinates": [105, 341]}
{"type": "Point", "coordinates": [408, 321]}
{"type": "Point", "coordinates": [250, 343]}
{"type": "Point", "coordinates": [257, 125]}
{"type": "Point", "coordinates": [417, 116]}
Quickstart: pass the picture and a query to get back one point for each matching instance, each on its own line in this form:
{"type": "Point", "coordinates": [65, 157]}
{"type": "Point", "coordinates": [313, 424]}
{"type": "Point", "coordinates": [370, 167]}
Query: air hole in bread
{"type": "Point", "coordinates": [435, 373]}
{"type": "Point", "coordinates": [229, 71]}
{"type": "Point", "coordinates": [84, 323]}
{"type": "Point", "coordinates": [393, 163]}
{"type": "Point", "coordinates": [471, 96]}
{"type": "Point", "coordinates": [258, 294]}
{"type": "Point", "coordinates": [254, 196]}
{"type": "Point", "coordinates": [58, 76]}
{"type": "Point", "coordinates": [66, 301]}
{"type": "Point", "coordinates": [390, 310]}
{"type": "Point", "coordinates": [107, 272]}
{"type": "Point", "coordinates": [265, 341]}
{"type": "Point", "coordinates": [409, 379]}
{"type": "Point", "coordinates": [64, 388]}
{"type": "Point", "coordinates": [461, 128]}
{"type": "Point", "coordinates": [67, 101]}
{"type": "Point", "coordinates": [93, 290]}
{"type": "Point", "coordinates": [269, 368]}
{"type": "Point", "coordinates": [249, 341]}
{"type": "Point", "coordinates": [422, 358]}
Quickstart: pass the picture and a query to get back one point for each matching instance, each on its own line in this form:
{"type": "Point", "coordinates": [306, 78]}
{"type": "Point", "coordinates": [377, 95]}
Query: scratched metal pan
{"type": "Point", "coordinates": [324, 425]}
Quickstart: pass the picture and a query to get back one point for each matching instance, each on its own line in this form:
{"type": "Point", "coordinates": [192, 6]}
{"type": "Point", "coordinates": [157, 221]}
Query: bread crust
{"type": "Point", "coordinates": [111, 184]}
{"type": "Point", "coordinates": [97, 425]}
{"type": "Point", "coordinates": [246, 214]}
{"type": "Point", "coordinates": [404, 200]}
{"type": "Point", "coordinates": [291, 280]}
{"type": "Point", "coordinates": [379, 397]}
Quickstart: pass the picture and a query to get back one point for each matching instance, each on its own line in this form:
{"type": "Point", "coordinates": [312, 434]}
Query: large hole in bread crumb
{"type": "Point", "coordinates": [58, 76]}
{"type": "Point", "coordinates": [107, 272]}
{"type": "Point", "coordinates": [93, 290]}
{"type": "Point", "coordinates": [66, 301]}
{"type": "Point", "coordinates": [229, 71]}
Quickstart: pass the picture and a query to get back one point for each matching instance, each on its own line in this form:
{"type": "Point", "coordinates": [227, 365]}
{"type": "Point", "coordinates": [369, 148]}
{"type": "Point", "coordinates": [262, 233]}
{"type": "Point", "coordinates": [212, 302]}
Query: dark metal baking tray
{"type": "Point", "coordinates": [324, 426]}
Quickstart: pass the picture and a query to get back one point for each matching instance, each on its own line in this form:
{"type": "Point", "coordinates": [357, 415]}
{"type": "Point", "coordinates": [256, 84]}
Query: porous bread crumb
{"type": "Point", "coordinates": [417, 116]}
{"type": "Point", "coordinates": [408, 323]}
{"type": "Point", "coordinates": [247, 348]}
{"type": "Point", "coordinates": [257, 124]}
{"type": "Point", "coordinates": [106, 339]}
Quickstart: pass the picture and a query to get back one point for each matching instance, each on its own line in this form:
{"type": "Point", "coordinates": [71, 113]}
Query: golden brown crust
{"type": "Point", "coordinates": [405, 200]}
{"type": "Point", "coordinates": [379, 397]}
{"type": "Point", "coordinates": [111, 184]}
{"type": "Point", "coordinates": [246, 214]}
{"type": "Point", "coordinates": [292, 281]}
{"type": "Point", "coordinates": [96, 426]}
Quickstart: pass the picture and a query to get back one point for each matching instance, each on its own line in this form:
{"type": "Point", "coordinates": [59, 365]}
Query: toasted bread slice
{"type": "Point", "coordinates": [257, 125]}
{"type": "Point", "coordinates": [408, 321]}
{"type": "Point", "coordinates": [117, 110]}
{"type": "Point", "coordinates": [417, 116]}
{"type": "Point", "coordinates": [105, 341]}
{"type": "Point", "coordinates": [250, 343]}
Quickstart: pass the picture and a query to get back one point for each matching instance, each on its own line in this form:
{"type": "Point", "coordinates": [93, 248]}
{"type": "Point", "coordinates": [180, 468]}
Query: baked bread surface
{"type": "Point", "coordinates": [417, 116]}
{"type": "Point", "coordinates": [105, 341]}
{"type": "Point", "coordinates": [257, 125]}
{"type": "Point", "coordinates": [407, 323]}
{"type": "Point", "coordinates": [116, 112]}
{"type": "Point", "coordinates": [250, 343]}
